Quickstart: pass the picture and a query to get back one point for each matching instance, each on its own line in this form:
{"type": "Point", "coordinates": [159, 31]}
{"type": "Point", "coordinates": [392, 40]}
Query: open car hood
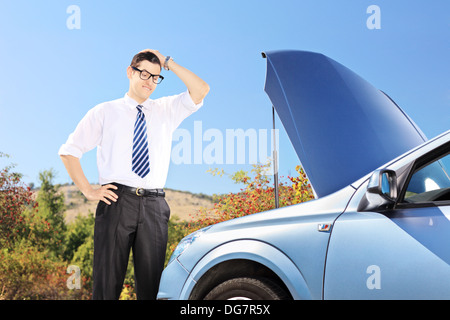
{"type": "Point", "coordinates": [341, 127]}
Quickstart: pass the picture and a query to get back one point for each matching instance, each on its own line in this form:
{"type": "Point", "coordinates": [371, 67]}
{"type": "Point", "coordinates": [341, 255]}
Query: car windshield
{"type": "Point", "coordinates": [430, 183]}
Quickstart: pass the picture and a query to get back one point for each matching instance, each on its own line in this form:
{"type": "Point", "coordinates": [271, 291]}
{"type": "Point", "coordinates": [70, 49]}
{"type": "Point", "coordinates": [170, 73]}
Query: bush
{"type": "Point", "coordinates": [28, 274]}
{"type": "Point", "coordinates": [14, 198]}
{"type": "Point", "coordinates": [258, 195]}
{"type": "Point", "coordinates": [31, 265]}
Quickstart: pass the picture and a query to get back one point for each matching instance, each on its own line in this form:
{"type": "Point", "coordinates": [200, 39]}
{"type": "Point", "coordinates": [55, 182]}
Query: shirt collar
{"type": "Point", "coordinates": [131, 103]}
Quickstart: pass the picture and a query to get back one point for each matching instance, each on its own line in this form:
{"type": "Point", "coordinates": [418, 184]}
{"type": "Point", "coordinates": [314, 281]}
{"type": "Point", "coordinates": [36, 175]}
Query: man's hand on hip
{"type": "Point", "coordinates": [102, 194]}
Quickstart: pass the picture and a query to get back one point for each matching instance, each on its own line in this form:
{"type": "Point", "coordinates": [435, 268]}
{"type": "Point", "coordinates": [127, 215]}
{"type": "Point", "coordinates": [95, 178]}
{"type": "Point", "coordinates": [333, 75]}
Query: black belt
{"type": "Point", "coordinates": [141, 192]}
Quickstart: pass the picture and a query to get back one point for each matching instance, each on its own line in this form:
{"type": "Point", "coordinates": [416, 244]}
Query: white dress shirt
{"type": "Point", "coordinates": [109, 126]}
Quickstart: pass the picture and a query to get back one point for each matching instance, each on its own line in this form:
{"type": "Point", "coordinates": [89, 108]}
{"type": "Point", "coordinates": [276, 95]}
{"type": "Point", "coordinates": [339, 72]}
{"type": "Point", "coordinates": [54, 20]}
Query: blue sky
{"type": "Point", "coordinates": [52, 75]}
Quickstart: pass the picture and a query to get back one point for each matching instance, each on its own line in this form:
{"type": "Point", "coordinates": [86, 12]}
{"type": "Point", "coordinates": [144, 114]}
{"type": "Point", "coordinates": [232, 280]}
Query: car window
{"type": "Point", "coordinates": [430, 183]}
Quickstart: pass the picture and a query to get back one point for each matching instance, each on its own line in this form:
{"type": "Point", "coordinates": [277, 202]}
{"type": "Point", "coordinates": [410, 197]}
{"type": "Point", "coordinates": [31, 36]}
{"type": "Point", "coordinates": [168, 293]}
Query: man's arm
{"type": "Point", "coordinates": [75, 171]}
{"type": "Point", "coordinates": [198, 89]}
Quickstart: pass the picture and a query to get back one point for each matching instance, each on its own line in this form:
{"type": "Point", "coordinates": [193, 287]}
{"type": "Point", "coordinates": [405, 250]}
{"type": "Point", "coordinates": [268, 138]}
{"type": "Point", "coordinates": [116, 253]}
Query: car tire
{"type": "Point", "coordinates": [247, 289]}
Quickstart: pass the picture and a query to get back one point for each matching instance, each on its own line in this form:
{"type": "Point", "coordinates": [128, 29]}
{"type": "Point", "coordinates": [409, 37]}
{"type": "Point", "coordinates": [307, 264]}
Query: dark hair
{"type": "Point", "coordinates": [141, 56]}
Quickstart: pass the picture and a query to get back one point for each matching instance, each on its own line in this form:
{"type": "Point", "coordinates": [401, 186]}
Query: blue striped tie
{"type": "Point", "coordinates": [140, 161]}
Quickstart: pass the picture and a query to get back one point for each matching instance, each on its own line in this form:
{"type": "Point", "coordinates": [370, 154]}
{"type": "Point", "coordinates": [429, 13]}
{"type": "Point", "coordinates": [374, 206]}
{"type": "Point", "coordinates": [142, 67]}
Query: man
{"type": "Point", "coordinates": [133, 136]}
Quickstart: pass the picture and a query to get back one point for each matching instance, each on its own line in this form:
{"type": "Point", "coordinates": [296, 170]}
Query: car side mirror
{"type": "Point", "coordinates": [381, 193]}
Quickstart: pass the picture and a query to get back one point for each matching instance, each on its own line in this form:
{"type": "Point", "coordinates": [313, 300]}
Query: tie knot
{"type": "Point", "coordinates": [139, 107]}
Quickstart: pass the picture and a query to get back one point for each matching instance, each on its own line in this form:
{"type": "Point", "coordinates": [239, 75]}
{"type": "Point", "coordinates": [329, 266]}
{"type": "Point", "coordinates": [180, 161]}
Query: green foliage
{"type": "Point", "coordinates": [77, 233]}
{"type": "Point", "coordinates": [79, 246]}
{"type": "Point", "coordinates": [27, 273]}
{"type": "Point", "coordinates": [32, 234]}
{"type": "Point", "coordinates": [51, 209]}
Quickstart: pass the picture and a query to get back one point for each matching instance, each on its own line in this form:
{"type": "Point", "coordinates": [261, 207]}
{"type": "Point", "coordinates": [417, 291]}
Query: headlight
{"type": "Point", "coordinates": [186, 242]}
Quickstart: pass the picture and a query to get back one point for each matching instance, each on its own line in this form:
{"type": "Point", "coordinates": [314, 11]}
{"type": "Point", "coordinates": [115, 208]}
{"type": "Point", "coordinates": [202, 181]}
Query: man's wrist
{"type": "Point", "coordinates": [167, 61]}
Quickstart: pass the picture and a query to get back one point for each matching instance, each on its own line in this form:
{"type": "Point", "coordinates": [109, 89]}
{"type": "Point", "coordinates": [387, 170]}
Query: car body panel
{"type": "Point", "coordinates": [402, 254]}
{"type": "Point", "coordinates": [341, 127]}
{"type": "Point", "coordinates": [173, 280]}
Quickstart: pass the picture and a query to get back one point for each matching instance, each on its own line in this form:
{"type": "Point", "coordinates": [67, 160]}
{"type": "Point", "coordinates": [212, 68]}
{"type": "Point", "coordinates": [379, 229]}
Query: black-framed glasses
{"type": "Point", "coordinates": [145, 75]}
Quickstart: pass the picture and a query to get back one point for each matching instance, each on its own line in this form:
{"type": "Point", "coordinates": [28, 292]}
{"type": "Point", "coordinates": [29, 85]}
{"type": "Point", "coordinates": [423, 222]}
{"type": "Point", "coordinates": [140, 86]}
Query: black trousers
{"type": "Point", "coordinates": [133, 222]}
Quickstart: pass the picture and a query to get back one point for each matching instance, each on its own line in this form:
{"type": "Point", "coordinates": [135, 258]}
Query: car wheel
{"type": "Point", "coordinates": [247, 289]}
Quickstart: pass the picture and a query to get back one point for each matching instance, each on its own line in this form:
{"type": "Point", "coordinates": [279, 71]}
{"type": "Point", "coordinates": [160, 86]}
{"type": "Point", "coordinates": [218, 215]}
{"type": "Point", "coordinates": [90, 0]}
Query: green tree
{"type": "Point", "coordinates": [79, 246]}
{"type": "Point", "coordinates": [77, 234]}
{"type": "Point", "coordinates": [51, 209]}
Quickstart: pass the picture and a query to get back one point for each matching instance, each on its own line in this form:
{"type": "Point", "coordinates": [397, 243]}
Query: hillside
{"type": "Point", "coordinates": [181, 203]}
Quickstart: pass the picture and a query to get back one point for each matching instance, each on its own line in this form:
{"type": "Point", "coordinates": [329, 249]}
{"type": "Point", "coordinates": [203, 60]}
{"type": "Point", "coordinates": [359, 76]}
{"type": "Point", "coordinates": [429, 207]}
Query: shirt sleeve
{"type": "Point", "coordinates": [182, 106]}
{"type": "Point", "coordinates": [87, 134]}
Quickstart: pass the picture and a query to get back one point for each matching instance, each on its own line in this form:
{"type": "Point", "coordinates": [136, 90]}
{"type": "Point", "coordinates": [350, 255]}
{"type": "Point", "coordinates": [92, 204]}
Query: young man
{"type": "Point", "coordinates": [133, 136]}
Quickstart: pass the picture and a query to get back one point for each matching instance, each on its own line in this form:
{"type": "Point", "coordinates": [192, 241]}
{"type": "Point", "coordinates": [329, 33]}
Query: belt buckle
{"type": "Point", "coordinates": [140, 192]}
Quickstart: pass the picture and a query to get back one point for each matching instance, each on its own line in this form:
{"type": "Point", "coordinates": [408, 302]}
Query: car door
{"type": "Point", "coordinates": [401, 253]}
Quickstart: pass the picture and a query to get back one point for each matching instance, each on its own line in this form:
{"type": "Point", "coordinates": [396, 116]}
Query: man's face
{"type": "Point", "coordinates": [140, 89]}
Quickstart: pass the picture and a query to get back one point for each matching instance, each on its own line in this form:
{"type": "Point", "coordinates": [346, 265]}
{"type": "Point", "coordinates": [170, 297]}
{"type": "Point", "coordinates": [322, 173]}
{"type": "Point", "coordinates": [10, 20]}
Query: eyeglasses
{"type": "Point", "coordinates": [145, 75]}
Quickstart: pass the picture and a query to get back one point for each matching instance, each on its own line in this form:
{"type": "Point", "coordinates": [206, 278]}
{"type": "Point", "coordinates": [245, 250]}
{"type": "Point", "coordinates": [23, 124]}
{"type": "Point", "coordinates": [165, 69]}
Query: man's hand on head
{"type": "Point", "coordinates": [158, 54]}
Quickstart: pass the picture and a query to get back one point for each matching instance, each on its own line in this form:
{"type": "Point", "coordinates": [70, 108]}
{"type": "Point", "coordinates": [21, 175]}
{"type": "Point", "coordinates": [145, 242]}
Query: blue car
{"type": "Point", "coordinates": [380, 225]}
